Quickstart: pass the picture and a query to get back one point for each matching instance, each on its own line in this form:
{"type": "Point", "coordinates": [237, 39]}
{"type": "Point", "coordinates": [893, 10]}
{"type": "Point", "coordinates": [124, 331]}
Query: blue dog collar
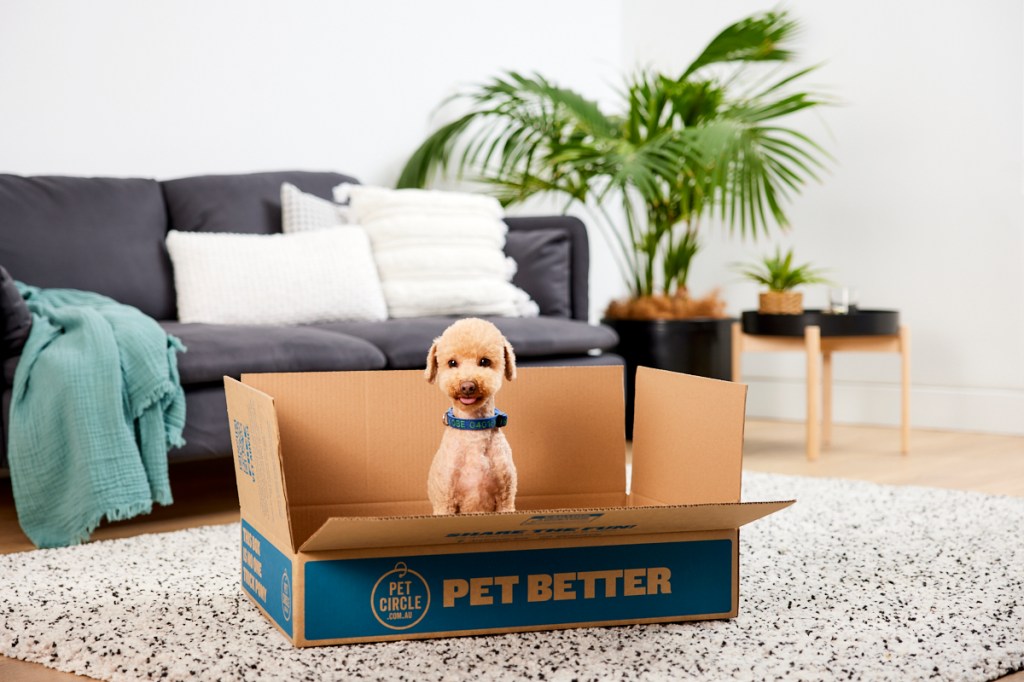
{"type": "Point", "coordinates": [496, 422]}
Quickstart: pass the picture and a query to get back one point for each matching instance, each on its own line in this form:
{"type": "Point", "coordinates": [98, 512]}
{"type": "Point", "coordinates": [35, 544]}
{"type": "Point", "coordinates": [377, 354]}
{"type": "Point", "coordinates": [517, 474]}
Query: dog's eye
{"type": "Point", "coordinates": [453, 363]}
{"type": "Point", "coordinates": [485, 362]}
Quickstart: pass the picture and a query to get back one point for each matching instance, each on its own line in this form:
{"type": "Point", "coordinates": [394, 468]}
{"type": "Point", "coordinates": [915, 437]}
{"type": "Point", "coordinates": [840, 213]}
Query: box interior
{"type": "Point", "coordinates": [359, 444]}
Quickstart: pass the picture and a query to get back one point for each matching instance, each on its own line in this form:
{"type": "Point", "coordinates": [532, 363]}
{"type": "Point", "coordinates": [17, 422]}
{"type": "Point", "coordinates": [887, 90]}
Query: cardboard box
{"type": "Point", "coordinates": [339, 544]}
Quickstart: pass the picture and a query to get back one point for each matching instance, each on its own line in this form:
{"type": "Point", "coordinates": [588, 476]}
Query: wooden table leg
{"type": "Point", "coordinates": [812, 341]}
{"type": "Point", "coordinates": [905, 390]}
{"type": "Point", "coordinates": [826, 398]}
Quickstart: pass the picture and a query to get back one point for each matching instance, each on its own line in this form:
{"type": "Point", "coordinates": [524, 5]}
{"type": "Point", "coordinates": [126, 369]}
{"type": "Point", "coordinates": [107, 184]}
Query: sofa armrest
{"type": "Point", "coordinates": [553, 255]}
{"type": "Point", "coordinates": [15, 325]}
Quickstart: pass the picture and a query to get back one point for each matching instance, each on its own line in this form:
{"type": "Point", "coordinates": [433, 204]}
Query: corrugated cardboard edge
{"type": "Point", "coordinates": [399, 531]}
{"type": "Point", "coordinates": [515, 629]}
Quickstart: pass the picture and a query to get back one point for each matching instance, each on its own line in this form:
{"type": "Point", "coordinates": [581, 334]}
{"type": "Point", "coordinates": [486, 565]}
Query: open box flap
{"type": "Point", "coordinates": [259, 473]}
{"type": "Point", "coordinates": [374, 532]}
{"type": "Point", "coordinates": [687, 438]}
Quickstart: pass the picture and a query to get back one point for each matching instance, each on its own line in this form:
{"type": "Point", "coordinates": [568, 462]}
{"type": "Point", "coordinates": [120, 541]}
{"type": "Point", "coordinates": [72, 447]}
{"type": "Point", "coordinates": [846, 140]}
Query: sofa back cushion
{"type": "Point", "coordinates": [249, 203]}
{"type": "Point", "coordinates": [99, 234]}
{"type": "Point", "coordinates": [544, 265]}
{"type": "Point", "coordinates": [553, 254]}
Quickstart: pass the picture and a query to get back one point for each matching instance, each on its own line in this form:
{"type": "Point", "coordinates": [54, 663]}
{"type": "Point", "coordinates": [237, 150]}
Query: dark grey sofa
{"type": "Point", "coordinates": [107, 235]}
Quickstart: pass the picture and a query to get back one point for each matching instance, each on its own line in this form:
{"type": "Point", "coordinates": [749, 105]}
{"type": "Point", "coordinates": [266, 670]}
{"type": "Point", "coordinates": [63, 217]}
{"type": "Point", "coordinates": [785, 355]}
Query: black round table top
{"type": "Point", "coordinates": [855, 323]}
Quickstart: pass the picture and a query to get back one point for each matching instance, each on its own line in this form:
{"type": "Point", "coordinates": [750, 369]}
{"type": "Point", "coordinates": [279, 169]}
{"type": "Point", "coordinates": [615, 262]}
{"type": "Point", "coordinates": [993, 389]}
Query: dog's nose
{"type": "Point", "coordinates": [468, 388]}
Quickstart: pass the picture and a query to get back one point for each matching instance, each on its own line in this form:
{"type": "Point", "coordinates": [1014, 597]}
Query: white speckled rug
{"type": "Point", "coordinates": [856, 581]}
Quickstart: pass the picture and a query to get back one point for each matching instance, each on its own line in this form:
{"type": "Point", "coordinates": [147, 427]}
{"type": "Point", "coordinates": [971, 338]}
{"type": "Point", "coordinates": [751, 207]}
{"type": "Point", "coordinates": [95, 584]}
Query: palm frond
{"type": "Point", "coordinates": [433, 154]}
{"type": "Point", "coordinates": [760, 37]}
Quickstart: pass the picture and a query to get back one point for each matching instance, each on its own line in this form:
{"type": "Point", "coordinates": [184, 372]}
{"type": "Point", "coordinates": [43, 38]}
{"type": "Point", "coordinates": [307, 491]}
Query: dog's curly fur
{"type": "Point", "coordinates": [472, 470]}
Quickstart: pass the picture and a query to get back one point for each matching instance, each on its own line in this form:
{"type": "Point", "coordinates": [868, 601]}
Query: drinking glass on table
{"type": "Point", "coordinates": [842, 300]}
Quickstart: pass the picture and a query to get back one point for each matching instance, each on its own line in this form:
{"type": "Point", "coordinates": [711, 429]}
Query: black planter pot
{"type": "Point", "coordinates": [701, 346]}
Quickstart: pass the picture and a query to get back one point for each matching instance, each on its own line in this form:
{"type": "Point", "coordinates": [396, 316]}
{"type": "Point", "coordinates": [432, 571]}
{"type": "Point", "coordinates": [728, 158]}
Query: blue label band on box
{"type": "Point", "coordinates": [348, 598]}
{"type": "Point", "coordinates": [267, 576]}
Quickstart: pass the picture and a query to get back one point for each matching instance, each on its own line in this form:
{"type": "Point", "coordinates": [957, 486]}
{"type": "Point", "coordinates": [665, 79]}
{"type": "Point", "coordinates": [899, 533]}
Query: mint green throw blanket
{"type": "Point", "coordinates": [96, 404]}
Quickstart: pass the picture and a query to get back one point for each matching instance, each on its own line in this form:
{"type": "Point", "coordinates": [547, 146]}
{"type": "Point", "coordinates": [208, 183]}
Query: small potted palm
{"type": "Point", "coordinates": [781, 276]}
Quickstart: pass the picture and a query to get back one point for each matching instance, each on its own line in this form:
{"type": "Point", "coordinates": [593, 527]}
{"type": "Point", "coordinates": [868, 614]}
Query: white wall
{"type": "Point", "coordinates": [922, 212]}
{"type": "Point", "coordinates": [175, 87]}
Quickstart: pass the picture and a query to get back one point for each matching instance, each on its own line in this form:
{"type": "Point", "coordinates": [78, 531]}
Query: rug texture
{"type": "Point", "coordinates": [856, 581]}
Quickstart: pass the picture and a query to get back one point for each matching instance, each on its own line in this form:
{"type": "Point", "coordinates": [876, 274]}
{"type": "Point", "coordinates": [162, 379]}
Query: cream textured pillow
{"type": "Point", "coordinates": [438, 253]}
{"type": "Point", "coordinates": [302, 212]}
{"type": "Point", "coordinates": [275, 279]}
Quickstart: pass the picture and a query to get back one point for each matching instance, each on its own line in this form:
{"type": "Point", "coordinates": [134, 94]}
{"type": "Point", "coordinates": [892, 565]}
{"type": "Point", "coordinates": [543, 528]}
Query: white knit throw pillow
{"type": "Point", "coordinates": [438, 253]}
{"type": "Point", "coordinates": [302, 212]}
{"type": "Point", "coordinates": [275, 279]}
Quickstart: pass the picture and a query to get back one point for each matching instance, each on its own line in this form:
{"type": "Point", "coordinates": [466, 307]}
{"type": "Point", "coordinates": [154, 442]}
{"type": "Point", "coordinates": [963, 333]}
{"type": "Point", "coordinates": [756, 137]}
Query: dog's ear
{"type": "Point", "coordinates": [510, 362]}
{"type": "Point", "coordinates": [431, 372]}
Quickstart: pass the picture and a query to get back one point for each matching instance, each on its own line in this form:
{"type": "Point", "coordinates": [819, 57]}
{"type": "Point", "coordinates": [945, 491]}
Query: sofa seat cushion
{"type": "Point", "coordinates": [406, 341]}
{"type": "Point", "coordinates": [215, 350]}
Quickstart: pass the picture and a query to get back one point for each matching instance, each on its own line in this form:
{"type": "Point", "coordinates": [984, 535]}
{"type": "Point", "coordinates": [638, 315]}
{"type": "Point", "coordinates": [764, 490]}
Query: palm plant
{"type": "Point", "coordinates": [702, 145]}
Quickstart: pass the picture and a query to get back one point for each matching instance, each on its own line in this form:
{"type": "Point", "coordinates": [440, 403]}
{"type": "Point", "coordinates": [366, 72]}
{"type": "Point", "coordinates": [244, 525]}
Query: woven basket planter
{"type": "Point", "coordinates": [781, 303]}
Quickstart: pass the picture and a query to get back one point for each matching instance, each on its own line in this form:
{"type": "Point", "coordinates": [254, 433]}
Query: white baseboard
{"type": "Point", "coordinates": [986, 410]}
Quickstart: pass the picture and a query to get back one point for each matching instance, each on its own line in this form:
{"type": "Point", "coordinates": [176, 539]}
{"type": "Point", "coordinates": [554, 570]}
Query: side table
{"type": "Point", "coordinates": [821, 334]}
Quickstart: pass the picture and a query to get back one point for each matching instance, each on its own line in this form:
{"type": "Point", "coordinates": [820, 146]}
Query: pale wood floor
{"type": "Point", "coordinates": [204, 491]}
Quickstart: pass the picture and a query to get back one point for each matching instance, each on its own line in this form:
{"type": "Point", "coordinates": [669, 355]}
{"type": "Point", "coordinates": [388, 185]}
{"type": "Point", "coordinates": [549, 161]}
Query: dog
{"type": "Point", "coordinates": [473, 469]}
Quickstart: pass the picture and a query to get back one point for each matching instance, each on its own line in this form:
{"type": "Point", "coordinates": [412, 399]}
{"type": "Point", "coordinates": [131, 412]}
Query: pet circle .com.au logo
{"type": "Point", "coordinates": [400, 598]}
{"type": "Point", "coordinates": [286, 596]}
